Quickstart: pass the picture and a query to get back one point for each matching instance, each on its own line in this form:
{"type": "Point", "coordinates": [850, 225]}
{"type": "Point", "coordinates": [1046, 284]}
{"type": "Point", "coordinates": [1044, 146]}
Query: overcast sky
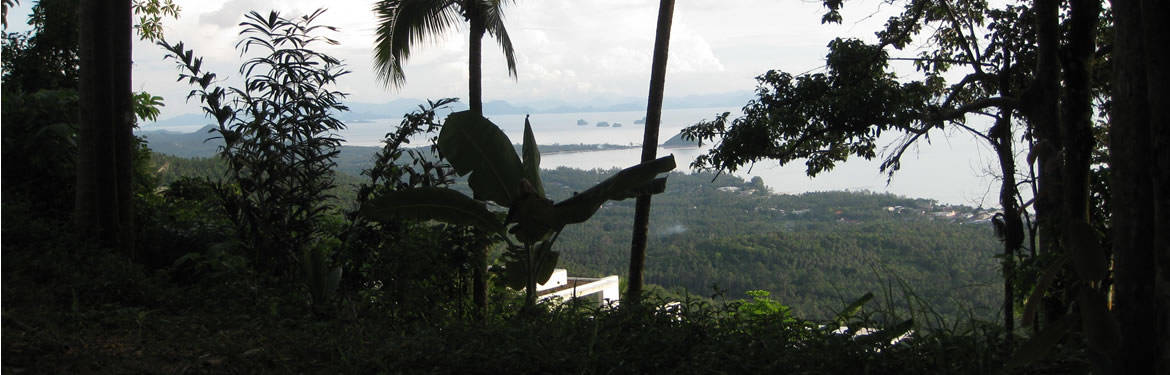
{"type": "Point", "coordinates": [588, 52]}
{"type": "Point", "coordinates": [584, 51]}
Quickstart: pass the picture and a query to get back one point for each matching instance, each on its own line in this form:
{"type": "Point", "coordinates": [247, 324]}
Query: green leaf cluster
{"type": "Point", "coordinates": [278, 131]}
{"type": "Point", "coordinates": [478, 149]}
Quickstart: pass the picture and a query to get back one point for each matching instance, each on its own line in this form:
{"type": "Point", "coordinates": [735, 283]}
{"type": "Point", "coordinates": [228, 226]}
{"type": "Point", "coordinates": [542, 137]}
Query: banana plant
{"type": "Point", "coordinates": [478, 149]}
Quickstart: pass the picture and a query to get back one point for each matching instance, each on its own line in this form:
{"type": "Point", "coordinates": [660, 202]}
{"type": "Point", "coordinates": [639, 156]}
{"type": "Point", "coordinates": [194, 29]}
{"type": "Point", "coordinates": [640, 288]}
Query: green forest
{"type": "Point", "coordinates": [814, 251]}
{"type": "Point", "coordinates": [275, 248]}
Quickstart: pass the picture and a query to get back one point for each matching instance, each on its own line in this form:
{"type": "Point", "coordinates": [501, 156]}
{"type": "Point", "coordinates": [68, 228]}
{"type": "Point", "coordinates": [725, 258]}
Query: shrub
{"type": "Point", "coordinates": [278, 132]}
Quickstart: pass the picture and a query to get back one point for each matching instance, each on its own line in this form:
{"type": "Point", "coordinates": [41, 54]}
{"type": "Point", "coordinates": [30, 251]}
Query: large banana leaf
{"type": "Point", "coordinates": [477, 146]}
{"type": "Point", "coordinates": [532, 160]}
{"type": "Point", "coordinates": [656, 186]}
{"type": "Point", "coordinates": [534, 218]}
{"type": "Point", "coordinates": [639, 178]}
{"type": "Point", "coordinates": [515, 272]}
{"type": "Point", "coordinates": [432, 203]}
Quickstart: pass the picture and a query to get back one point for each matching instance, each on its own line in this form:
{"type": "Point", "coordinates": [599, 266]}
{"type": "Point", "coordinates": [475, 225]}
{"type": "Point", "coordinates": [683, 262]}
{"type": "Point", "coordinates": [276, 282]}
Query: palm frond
{"type": "Point", "coordinates": [403, 23]}
{"type": "Point", "coordinates": [494, 23]}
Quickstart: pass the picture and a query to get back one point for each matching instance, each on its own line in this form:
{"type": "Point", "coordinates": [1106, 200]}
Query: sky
{"type": "Point", "coordinates": [577, 52]}
{"type": "Point", "coordinates": [581, 53]}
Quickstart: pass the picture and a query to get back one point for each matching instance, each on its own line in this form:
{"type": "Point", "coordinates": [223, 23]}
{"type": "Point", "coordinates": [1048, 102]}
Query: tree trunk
{"type": "Point", "coordinates": [1044, 116]}
{"type": "Point", "coordinates": [649, 148]}
{"type": "Point", "coordinates": [123, 122]}
{"type": "Point", "coordinates": [1013, 231]}
{"type": "Point", "coordinates": [1157, 36]}
{"type": "Point", "coordinates": [475, 59]}
{"type": "Point", "coordinates": [1132, 216]}
{"type": "Point", "coordinates": [1013, 225]}
{"type": "Point", "coordinates": [1077, 116]}
{"type": "Point", "coordinates": [479, 282]}
{"type": "Point", "coordinates": [96, 202]}
{"type": "Point", "coordinates": [475, 98]}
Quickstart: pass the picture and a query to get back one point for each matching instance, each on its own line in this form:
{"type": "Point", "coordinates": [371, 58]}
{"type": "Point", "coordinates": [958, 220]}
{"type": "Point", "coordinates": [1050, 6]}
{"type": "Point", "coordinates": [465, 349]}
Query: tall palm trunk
{"type": "Point", "coordinates": [475, 97]}
{"type": "Point", "coordinates": [475, 59]}
{"type": "Point", "coordinates": [649, 148]}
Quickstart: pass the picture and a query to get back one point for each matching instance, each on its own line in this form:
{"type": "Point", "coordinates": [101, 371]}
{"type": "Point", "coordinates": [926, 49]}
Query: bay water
{"type": "Point", "coordinates": [952, 167]}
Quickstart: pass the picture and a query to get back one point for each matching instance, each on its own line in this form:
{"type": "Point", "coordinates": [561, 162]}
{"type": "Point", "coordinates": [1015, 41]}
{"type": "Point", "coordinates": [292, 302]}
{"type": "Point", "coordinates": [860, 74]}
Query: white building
{"type": "Point", "coordinates": [561, 285]}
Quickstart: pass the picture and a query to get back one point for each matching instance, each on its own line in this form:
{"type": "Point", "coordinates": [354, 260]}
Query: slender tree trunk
{"type": "Point", "coordinates": [1013, 230]}
{"type": "Point", "coordinates": [475, 98]}
{"type": "Point", "coordinates": [1156, 28]}
{"type": "Point", "coordinates": [1077, 116]}
{"type": "Point", "coordinates": [479, 282]}
{"type": "Point", "coordinates": [1088, 261]}
{"type": "Point", "coordinates": [1044, 115]}
{"type": "Point", "coordinates": [475, 60]}
{"type": "Point", "coordinates": [123, 122]}
{"type": "Point", "coordinates": [649, 148]}
{"type": "Point", "coordinates": [96, 202]}
{"type": "Point", "coordinates": [1131, 202]}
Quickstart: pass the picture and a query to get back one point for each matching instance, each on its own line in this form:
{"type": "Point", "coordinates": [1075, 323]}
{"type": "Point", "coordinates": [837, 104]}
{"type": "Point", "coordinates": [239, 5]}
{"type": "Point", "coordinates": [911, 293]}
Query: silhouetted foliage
{"type": "Point", "coordinates": [278, 132]}
{"type": "Point", "coordinates": [405, 23]}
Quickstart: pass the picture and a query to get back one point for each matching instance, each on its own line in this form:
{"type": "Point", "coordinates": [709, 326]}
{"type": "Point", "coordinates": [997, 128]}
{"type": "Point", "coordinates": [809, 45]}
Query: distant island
{"type": "Point", "coordinates": [617, 124]}
{"type": "Point", "coordinates": [603, 124]}
{"type": "Point", "coordinates": [394, 109]}
{"type": "Point", "coordinates": [352, 159]}
{"type": "Point", "coordinates": [677, 141]}
{"type": "Point", "coordinates": [582, 122]}
{"type": "Point", "coordinates": [639, 122]}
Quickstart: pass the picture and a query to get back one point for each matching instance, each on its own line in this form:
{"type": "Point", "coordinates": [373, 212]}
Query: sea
{"type": "Point", "coordinates": [951, 167]}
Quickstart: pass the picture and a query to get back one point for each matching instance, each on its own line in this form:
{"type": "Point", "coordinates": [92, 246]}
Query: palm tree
{"type": "Point", "coordinates": [404, 23]}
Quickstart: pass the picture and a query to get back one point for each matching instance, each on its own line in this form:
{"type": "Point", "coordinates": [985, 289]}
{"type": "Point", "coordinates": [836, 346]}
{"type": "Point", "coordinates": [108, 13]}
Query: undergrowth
{"type": "Point", "coordinates": [69, 308]}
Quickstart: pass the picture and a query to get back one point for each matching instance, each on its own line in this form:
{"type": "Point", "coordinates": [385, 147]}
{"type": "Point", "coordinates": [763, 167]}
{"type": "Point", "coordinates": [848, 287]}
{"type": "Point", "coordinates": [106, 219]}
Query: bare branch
{"type": "Point", "coordinates": [975, 132]}
{"type": "Point", "coordinates": [966, 43]}
{"type": "Point", "coordinates": [977, 105]}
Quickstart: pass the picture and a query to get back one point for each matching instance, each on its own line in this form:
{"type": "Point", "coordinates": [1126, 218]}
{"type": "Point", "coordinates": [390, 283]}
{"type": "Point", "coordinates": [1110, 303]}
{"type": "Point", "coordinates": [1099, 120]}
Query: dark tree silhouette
{"type": "Point", "coordinates": [1133, 219]}
{"type": "Point", "coordinates": [102, 206]}
{"type": "Point", "coordinates": [649, 148]}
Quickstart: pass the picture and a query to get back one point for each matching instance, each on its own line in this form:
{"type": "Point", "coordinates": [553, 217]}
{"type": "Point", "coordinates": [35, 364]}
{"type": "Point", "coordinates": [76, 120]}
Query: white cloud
{"type": "Point", "coordinates": [690, 53]}
{"type": "Point", "coordinates": [591, 51]}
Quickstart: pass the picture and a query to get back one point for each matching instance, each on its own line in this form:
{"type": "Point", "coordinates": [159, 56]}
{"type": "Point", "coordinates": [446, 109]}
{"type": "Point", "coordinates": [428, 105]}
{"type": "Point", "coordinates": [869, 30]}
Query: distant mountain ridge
{"type": "Point", "coordinates": [352, 159]}
{"type": "Point", "coordinates": [396, 108]}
